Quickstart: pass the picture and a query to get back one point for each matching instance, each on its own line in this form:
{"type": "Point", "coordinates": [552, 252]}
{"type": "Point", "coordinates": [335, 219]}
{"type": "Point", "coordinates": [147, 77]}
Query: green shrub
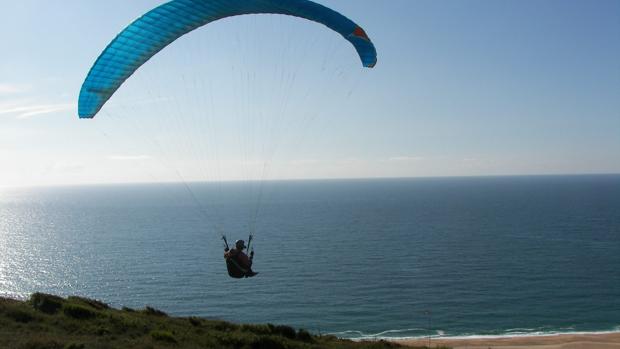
{"type": "Point", "coordinates": [224, 326]}
{"type": "Point", "coordinates": [329, 337]}
{"type": "Point", "coordinates": [129, 310]}
{"type": "Point", "coordinates": [102, 331]}
{"type": "Point", "coordinates": [286, 331]}
{"type": "Point", "coordinates": [78, 311]}
{"type": "Point", "coordinates": [152, 311]}
{"type": "Point", "coordinates": [41, 343]}
{"type": "Point", "coordinates": [234, 339]}
{"type": "Point", "coordinates": [46, 302]}
{"type": "Point", "coordinates": [20, 315]}
{"type": "Point", "coordinates": [91, 302]}
{"type": "Point", "coordinates": [269, 342]}
{"type": "Point", "coordinates": [75, 346]}
{"type": "Point", "coordinates": [122, 323]}
{"type": "Point", "coordinates": [163, 336]}
{"type": "Point", "coordinates": [304, 336]}
{"type": "Point", "coordinates": [257, 329]}
{"type": "Point", "coordinates": [195, 321]}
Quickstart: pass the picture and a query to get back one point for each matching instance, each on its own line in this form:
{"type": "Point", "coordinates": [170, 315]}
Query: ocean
{"type": "Point", "coordinates": [355, 258]}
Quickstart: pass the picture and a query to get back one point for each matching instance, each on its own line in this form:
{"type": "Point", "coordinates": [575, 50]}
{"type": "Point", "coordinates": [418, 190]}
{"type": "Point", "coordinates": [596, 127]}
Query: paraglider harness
{"type": "Point", "coordinates": [235, 270]}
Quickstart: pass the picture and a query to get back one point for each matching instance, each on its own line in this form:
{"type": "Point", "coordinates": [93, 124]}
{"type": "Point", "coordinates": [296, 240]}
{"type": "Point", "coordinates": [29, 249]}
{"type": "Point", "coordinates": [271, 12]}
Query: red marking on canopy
{"type": "Point", "coordinates": [359, 32]}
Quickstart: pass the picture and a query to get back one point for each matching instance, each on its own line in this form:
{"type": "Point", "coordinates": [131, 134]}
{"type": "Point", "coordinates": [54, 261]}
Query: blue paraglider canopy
{"type": "Point", "coordinates": [155, 30]}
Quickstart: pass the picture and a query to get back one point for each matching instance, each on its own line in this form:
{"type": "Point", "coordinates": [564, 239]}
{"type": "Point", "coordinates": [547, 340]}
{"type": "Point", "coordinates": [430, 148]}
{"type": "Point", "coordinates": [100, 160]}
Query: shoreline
{"type": "Point", "coordinates": [594, 340]}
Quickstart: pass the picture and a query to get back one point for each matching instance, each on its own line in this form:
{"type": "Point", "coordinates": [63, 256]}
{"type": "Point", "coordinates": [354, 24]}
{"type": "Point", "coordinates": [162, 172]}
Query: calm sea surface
{"type": "Point", "coordinates": [357, 258]}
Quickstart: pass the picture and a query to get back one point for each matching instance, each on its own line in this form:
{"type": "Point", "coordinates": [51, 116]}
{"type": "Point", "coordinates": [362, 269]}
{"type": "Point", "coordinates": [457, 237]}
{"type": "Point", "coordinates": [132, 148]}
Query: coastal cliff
{"type": "Point", "coordinates": [50, 322]}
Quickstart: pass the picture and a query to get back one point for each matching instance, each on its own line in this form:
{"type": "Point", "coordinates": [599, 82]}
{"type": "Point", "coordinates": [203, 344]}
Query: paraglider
{"type": "Point", "coordinates": [238, 263]}
{"type": "Point", "coordinates": [158, 28]}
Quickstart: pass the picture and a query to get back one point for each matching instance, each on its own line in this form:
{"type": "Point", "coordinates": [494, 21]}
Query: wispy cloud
{"type": "Point", "coordinates": [304, 162]}
{"type": "Point", "coordinates": [406, 158]}
{"type": "Point", "coordinates": [27, 111]}
{"type": "Point", "coordinates": [6, 89]}
{"type": "Point", "coordinates": [129, 157]}
{"type": "Point", "coordinates": [67, 167]}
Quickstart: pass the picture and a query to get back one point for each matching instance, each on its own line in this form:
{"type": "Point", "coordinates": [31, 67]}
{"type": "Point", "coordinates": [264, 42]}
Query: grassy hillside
{"type": "Point", "coordinates": [46, 321]}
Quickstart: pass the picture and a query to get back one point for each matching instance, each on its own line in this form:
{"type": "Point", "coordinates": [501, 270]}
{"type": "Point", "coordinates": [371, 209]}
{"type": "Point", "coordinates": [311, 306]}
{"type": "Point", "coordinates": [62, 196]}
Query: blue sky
{"type": "Point", "coordinates": [461, 88]}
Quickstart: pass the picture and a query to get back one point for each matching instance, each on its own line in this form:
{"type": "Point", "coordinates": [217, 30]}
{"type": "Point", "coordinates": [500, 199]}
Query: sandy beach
{"type": "Point", "coordinates": [564, 341]}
